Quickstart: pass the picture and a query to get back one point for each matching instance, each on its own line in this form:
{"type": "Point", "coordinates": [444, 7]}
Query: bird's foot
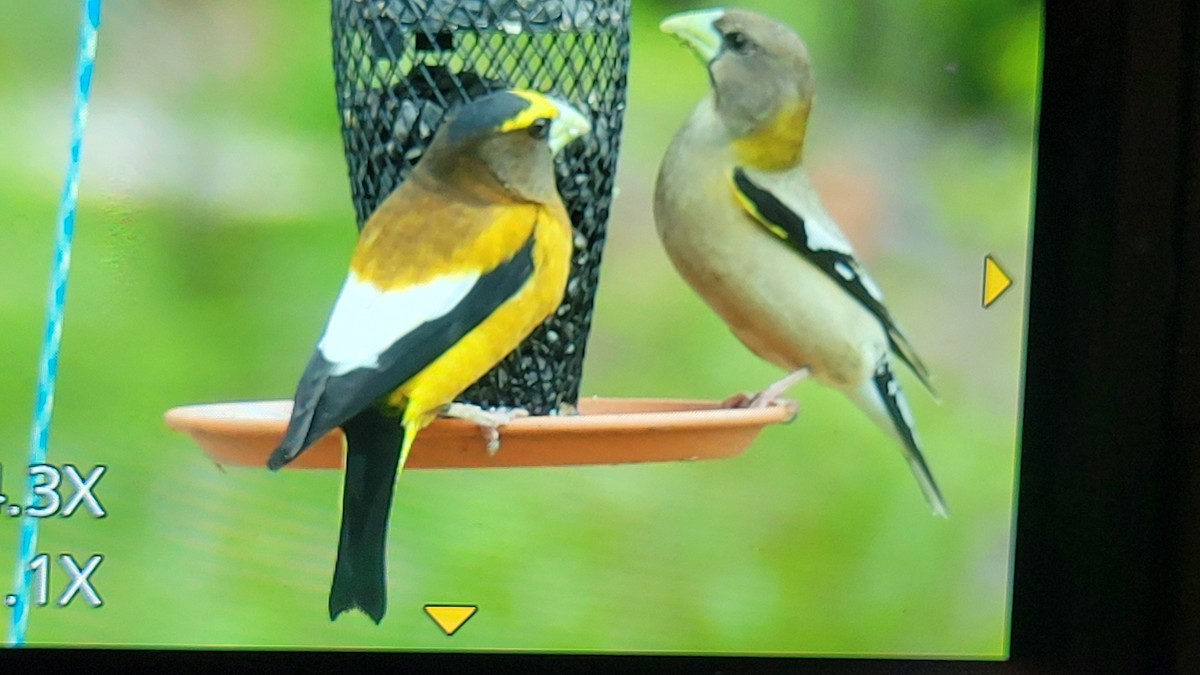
{"type": "Point", "coordinates": [738, 400]}
{"type": "Point", "coordinates": [767, 396]}
{"type": "Point", "coordinates": [748, 399]}
{"type": "Point", "coordinates": [489, 421]}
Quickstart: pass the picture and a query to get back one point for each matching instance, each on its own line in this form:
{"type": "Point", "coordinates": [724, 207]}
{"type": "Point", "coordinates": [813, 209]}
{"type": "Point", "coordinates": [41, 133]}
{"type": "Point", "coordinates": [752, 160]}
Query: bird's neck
{"type": "Point", "coordinates": [777, 144]}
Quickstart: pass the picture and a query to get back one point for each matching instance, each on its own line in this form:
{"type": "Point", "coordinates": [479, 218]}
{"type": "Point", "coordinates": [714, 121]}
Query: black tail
{"type": "Point", "coordinates": [883, 400]}
{"type": "Point", "coordinates": [372, 454]}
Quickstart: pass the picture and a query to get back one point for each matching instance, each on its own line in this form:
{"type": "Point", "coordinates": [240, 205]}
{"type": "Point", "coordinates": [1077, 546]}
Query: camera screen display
{"type": "Point", "coordinates": [770, 291]}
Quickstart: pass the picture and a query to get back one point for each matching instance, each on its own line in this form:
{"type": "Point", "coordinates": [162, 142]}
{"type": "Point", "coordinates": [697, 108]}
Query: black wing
{"type": "Point", "coordinates": [840, 266]}
{"type": "Point", "coordinates": [324, 401]}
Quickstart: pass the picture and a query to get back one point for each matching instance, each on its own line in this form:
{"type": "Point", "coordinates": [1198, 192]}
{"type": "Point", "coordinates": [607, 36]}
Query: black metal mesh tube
{"type": "Point", "coordinates": [402, 64]}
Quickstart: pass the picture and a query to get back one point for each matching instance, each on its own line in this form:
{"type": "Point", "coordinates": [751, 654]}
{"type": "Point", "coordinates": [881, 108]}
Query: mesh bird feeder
{"type": "Point", "coordinates": [401, 65]}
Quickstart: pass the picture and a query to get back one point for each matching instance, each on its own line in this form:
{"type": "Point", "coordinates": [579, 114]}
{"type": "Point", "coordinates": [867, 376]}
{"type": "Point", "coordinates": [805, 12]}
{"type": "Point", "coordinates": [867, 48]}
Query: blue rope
{"type": "Point", "coordinates": [48, 372]}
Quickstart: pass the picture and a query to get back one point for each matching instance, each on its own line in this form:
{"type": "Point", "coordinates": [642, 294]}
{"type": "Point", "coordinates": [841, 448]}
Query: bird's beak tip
{"type": "Point", "coordinates": [696, 30]}
{"type": "Point", "coordinates": [570, 126]}
{"type": "Point", "coordinates": [675, 23]}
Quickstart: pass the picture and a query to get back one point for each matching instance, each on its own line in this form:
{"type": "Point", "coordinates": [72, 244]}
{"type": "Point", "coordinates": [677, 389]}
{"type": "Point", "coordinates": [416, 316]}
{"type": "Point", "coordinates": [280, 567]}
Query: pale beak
{"type": "Point", "coordinates": [567, 127]}
{"type": "Point", "coordinates": [697, 30]}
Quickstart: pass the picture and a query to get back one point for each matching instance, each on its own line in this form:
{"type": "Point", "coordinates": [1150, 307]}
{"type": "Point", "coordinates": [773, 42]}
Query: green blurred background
{"type": "Point", "coordinates": [215, 224]}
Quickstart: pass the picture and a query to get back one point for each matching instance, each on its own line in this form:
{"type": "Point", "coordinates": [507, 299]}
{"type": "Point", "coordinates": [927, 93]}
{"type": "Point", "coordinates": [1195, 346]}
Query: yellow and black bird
{"type": "Point", "coordinates": [451, 272]}
{"type": "Point", "coordinates": [743, 225]}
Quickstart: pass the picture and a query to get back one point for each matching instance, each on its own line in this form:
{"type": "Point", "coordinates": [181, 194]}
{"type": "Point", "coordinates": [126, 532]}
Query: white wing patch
{"type": "Point", "coordinates": [853, 271]}
{"type": "Point", "coordinates": [844, 271]}
{"type": "Point", "coordinates": [796, 191]}
{"type": "Point", "coordinates": [366, 320]}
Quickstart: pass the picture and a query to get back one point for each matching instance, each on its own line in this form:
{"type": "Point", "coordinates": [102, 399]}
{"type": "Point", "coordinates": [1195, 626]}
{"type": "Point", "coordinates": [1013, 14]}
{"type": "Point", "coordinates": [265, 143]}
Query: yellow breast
{"type": "Point", "coordinates": [779, 144]}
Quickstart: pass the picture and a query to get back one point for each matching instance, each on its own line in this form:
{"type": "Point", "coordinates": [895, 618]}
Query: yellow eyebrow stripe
{"type": "Point", "coordinates": [539, 107]}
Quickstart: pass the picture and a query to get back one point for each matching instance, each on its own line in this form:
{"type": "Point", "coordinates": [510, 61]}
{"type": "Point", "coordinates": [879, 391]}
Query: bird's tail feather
{"type": "Point", "coordinates": [882, 399]}
{"type": "Point", "coordinates": [373, 449]}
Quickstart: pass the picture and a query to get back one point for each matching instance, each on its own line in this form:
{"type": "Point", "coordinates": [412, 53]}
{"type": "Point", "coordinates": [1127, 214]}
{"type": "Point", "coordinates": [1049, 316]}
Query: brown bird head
{"type": "Point", "coordinates": [503, 145]}
{"type": "Point", "coordinates": [762, 80]}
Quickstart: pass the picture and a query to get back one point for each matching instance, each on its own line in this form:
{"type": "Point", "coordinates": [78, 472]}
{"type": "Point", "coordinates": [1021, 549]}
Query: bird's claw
{"type": "Point", "coordinates": [761, 401]}
{"type": "Point", "coordinates": [770, 395]}
{"type": "Point", "coordinates": [489, 421]}
{"type": "Point", "coordinates": [739, 400]}
{"type": "Point", "coordinates": [746, 399]}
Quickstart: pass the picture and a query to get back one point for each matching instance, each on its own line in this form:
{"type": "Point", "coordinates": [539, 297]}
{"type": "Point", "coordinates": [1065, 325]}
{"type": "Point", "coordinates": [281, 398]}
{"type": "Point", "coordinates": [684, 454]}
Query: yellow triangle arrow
{"type": "Point", "coordinates": [450, 617]}
{"type": "Point", "coordinates": [995, 281]}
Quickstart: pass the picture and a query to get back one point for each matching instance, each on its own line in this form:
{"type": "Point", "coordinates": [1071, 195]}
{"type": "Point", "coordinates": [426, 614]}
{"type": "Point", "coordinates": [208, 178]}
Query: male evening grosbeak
{"type": "Point", "coordinates": [451, 272]}
{"type": "Point", "coordinates": [742, 223]}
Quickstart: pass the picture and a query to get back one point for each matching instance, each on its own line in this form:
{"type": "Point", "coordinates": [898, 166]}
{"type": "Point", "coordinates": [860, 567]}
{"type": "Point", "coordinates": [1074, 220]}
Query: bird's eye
{"type": "Point", "coordinates": [540, 128]}
{"type": "Point", "coordinates": [738, 42]}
